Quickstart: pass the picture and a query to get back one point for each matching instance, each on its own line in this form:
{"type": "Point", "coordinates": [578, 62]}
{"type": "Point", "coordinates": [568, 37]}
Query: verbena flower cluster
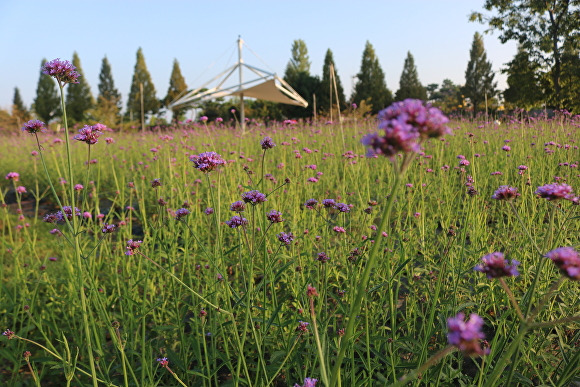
{"type": "Point", "coordinates": [34, 126]}
{"type": "Point", "coordinates": [274, 216]}
{"type": "Point", "coordinates": [207, 161]}
{"type": "Point", "coordinates": [466, 336]}
{"type": "Point", "coordinates": [254, 197]}
{"type": "Point", "coordinates": [267, 143]}
{"type": "Point", "coordinates": [237, 221]}
{"type": "Point", "coordinates": [62, 70]}
{"type": "Point", "coordinates": [89, 134]}
{"type": "Point", "coordinates": [567, 260]}
{"type": "Point", "coordinates": [59, 216]}
{"type": "Point", "coordinates": [403, 125]}
{"type": "Point", "coordinates": [495, 265]}
{"type": "Point", "coordinates": [285, 238]}
{"type": "Point", "coordinates": [308, 382]}
{"type": "Point", "coordinates": [132, 246]}
{"type": "Point", "coordinates": [505, 192]}
{"type": "Point", "coordinates": [555, 191]}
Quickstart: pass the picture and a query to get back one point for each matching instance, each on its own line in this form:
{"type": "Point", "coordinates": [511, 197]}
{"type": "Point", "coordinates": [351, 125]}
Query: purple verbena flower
{"type": "Point", "coordinates": [311, 204]}
{"type": "Point", "coordinates": [567, 260]}
{"type": "Point", "coordinates": [62, 70]}
{"type": "Point", "coordinates": [156, 183]}
{"type": "Point", "coordinates": [21, 189]}
{"type": "Point", "coordinates": [328, 203]}
{"type": "Point", "coordinates": [180, 213]}
{"type": "Point", "coordinates": [267, 143]}
{"type": "Point", "coordinates": [311, 382]}
{"type": "Point", "coordinates": [34, 126]}
{"type": "Point", "coordinates": [238, 206]}
{"type": "Point", "coordinates": [274, 216]}
{"type": "Point", "coordinates": [108, 228]}
{"type": "Point", "coordinates": [9, 334]}
{"type": "Point", "coordinates": [342, 207]}
{"type": "Point", "coordinates": [555, 191]}
{"type": "Point", "coordinates": [322, 257]}
{"type": "Point", "coordinates": [207, 161]}
{"type": "Point", "coordinates": [466, 335]}
{"type": "Point", "coordinates": [285, 238]}
{"type": "Point", "coordinates": [495, 265]}
{"type": "Point", "coordinates": [505, 192]}
{"type": "Point", "coordinates": [208, 211]}
{"type": "Point", "coordinates": [339, 230]}
{"type": "Point", "coordinates": [302, 326]}
{"type": "Point", "coordinates": [89, 134]}
{"type": "Point", "coordinates": [132, 246]}
{"type": "Point", "coordinates": [254, 197]}
{"type": "Point", "coordinates": [237, 221]}
{"type": "Point", "coordinates": [14, 176]}
{"type": "Point", "coordinates": [163, 361]}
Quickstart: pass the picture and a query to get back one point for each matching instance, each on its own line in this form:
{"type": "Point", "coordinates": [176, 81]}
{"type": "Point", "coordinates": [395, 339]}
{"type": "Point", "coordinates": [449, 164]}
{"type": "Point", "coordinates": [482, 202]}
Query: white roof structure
{"type": "Point", "coordinates": [266, 86]}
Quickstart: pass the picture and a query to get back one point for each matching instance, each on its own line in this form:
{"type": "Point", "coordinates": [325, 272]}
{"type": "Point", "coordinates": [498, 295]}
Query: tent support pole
{"type": "Point", "coordinates": [240, 64]}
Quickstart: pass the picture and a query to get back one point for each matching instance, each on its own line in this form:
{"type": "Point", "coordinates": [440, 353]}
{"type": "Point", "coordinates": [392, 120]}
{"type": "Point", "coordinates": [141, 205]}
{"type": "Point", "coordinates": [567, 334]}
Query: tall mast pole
{"type": "Point", "coordinates": [240, 63]}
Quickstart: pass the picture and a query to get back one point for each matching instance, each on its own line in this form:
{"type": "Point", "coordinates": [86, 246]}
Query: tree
{"type": "Point", "coordinates": [409, 85]}
{"type": "Point", "coordinates": [544, 28]}
{"type": "Point", "coordinates": [479, 76]}
{"type": "Point", "coordinates": [327, 86]}
{"type": "Point", "coordinates": [79, 99]}
{"type": "Point", "coordinates": [19, 111]}
{"type": "Point", "coordinates": [109, 99]}
{"type": "Point", "coordinates": [141, 76]}
{"type": "Point", "coordinates": [523, 79]}
{"type": "Point", "coordinates": [47, 101]}
{"type": "Point", "coordinates": [298, 76]}
{"type": "Point", "coordinates": [177, 86]}
{"type": "Point", "coordinates": [448, 98]}
{"type": "Point", "coordinates": [570, 79]}
{"type": "Point", "coordinates": [371, 83]}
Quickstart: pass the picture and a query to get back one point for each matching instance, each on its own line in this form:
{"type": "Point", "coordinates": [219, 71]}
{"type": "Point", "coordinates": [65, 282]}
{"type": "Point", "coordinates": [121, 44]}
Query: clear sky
{"type": "Point", "coordinates": [202, 36]}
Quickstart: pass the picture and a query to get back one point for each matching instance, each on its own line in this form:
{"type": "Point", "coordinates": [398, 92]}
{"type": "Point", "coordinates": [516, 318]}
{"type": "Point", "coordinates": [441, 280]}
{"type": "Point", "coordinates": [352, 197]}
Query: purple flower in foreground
{"type": "Point", "coordinates": [180, 213]}
{"type": "Point", "coordinates": [62, 70]}
{"type": "Point", "coordinates": [89, 134]}
{"type": "Point", "coordinates": [302, 326]}
{"type": "Point", "coordinates": [21, 189]}
{"type": "Point", "coordinates": [254, 197]}
{"type": "Point", "coordinates": [207, 161]}
{"type": "Point", "coordinates": [108, 228]}
{"type": "Point", "coordinates": [308, 382]}
{"type": "Point", "coordinates": [311, 203]}
{"type": "Point", "coordinates": [34, 126]}
{"type": "Point", "coordinates": [342, 207]}
{"type": "Point", "coordinates": [285, 238]}
{"type": "Point", "coordinates": [505, 192]}
{"type": "Point", "coordinates": [132, 246]}
{"type": "Point", "coordinates": [163, 361]}
{"type": "Point", "coordinates": [555, 191]}
{"type": "Point", "coordinates": [208, 211]}
{"type": "Point", "coordinates": [567, 260]}
{"type": "Point", "coordinates": [466, 335]}
{"type": "Point", "coordinates": [495, 265]}
{"type": "Point", "coordinates": [328, 203]}
{"type": "Point", "coordinates": [66, 212]}
{"type": "Point", "coordinates": [237, 221]}
{"type": "Point", "coordinates": [267, 143]}
{"type": "Point", "coordinates": [14, 176]}
{"type": "Point", "coordinates": [274, 216]}
{"type": "Point", "coordinates": [238, 206]}
{"type": "Point", "coordinates": [9, 334]}
{"type": "Point", "coordinates": [156, 183]}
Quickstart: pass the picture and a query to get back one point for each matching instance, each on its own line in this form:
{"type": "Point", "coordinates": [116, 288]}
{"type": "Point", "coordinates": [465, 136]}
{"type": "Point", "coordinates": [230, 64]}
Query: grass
{"type": "Point", "coordinates": [228, 306]}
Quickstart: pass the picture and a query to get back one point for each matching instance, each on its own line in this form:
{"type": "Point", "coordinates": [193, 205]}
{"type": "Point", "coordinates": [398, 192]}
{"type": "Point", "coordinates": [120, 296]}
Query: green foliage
{"type": "Point", "coordinates": [544, 28]}
{"type": "Point", "coordinates": [79, 99]}
{"type": "Point", "coordinates": [448, 97]}
{"type": "Point", "coordinates": [327, 87]}
{"type": "Point", "coordinates": [299, 62]}
{"type": "Point", "coordinates": [141, 76]}
{"type": "Point", "coordinates": [47, 101]}
{"type": "Point", "coordinates": [109, 99]}
{"type": "Point", "coordinates": [371, 84]}
{"type": "Point", "coordinates": [409, 85]}
{"type": "Point", "coordinates": [523, 79]}
{"type": "Point", "coordinates": [479, 76]}
{"type": "Point", "coordinates": [177, 87]}
{"type": "Point", "coordinates": [19, 110]}
{"type": "Point", "coordinates": [570, 79]}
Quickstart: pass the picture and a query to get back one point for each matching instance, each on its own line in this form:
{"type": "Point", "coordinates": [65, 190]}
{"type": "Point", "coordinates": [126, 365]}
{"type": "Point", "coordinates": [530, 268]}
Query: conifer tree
{"type": "Point", "coordinates": [141, 76]}
{"type": "Point", "coordinates": [327, 85]}
{"type": "Point", "coordinates": [298, 77]}
{"type": "Point", "coordinates": [479, 76]}
{"type": "Point", "coordinates": [19, 111]}
{"type": "Point", "coordinates": [409, 84]}
{"type": "Point", "coordinates": [570, 80]}
{"type": "Point", "coordinates": [79, 99]}
{"type": "Point", "coordinates": [177, 86]}
{"type": "Point", "coordinates": [47, 101]}
{"type": "Point", "coordinates": [524, 88]}
{"type": "Point", "coordinates": [109, 99]}
{"type": "Point", "coordinates": [371, 84]}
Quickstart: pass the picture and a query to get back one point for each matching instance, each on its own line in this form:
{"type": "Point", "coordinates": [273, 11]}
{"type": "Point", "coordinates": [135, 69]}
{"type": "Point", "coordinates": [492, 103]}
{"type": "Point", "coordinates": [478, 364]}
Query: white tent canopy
{"type": "Point", "coordinates": [266, 86]}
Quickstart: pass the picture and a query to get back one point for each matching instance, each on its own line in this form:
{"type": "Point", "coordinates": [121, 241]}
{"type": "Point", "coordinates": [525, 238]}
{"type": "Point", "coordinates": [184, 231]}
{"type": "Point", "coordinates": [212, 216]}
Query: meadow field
{"type": "Point", "coordinates": [249, 272]}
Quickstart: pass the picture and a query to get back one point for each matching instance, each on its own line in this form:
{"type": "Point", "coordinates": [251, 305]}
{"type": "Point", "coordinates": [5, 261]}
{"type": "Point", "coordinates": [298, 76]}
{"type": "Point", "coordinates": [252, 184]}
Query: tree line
{"type": "Point", "coordinates": [545, 72]}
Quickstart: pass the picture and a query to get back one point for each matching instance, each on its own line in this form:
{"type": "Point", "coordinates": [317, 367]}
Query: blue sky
{"type": "Point", "coordinates": [202, 36]}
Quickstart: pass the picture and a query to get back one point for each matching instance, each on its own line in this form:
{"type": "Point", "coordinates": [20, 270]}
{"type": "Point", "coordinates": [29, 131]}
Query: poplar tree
{"type": "Point", "coordinates": [109, 99]}
{"type": "Point", "coordinates": [298, 76]}
{"type": "Point", "coordinates": [327, 85]}
{"type": "Point", "coordinates": [371, 84]}
{"type": "Point", "coordinates": [19, 110]}
{"type": "Point", "coordinates": [177, 86]}
{"type": "Point", "coordinates": [409, 84]}
{"type": "Point", "coordinates": [141, 76]}
{"type": "Point", "coordinates": [47, 101]}
{"type": "Point", "coordinates": [79, 99]}
{"type": "Point", "coordinates": [479, 76]}
{"type": "Point", "coordinates": [299, 62]}
{"type": "Point", "coordinates": [523, 79]}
